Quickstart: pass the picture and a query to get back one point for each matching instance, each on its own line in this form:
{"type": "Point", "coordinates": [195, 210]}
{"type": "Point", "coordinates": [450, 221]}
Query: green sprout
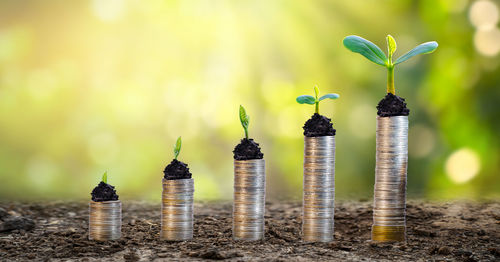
{"type": "Point", "coordinates": [105, 177]}
{"type": "Point", "coordinates": [244, 119]}
{"type": "Point", "coordinates": [177, 148]}
{"type": "Point", "coordinates": [374, 53]}
{"type": "Point", "coordinates": [314, 100]}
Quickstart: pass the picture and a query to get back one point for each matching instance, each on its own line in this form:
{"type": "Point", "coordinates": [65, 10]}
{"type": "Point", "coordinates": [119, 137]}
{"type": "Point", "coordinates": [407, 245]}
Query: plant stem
{"type": "Point", "coordinates": [246, 133]}
{"type": "Point", "coordinates": [390, 80]}
{"type": "Point", "coordinates": [317, 107]}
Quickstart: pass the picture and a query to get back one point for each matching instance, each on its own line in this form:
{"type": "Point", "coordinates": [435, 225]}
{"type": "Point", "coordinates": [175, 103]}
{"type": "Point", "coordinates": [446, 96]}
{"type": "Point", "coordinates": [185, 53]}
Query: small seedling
{"type": "Point", "coordinates": [314, 100]}
{"type": "Point", "coordinates": [177, 148]}
{"type": "Point", "coordinates": [105, 177]}
{"type": "Point", "coordinates": [374, 53]}
{"type": "Point", "coordinates": [244, 119]}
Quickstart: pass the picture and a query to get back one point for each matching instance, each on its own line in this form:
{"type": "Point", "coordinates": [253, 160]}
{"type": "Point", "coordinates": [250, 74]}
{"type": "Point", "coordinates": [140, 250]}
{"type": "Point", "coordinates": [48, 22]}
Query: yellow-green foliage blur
{"type": "Point", "coordinates": [90, 86]}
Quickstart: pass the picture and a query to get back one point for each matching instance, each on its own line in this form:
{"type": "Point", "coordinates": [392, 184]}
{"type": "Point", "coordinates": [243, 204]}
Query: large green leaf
{"type": "Point", "coordinates": [331, 96]}
{"type": "Point", "coordinates": [424, 48]}
{"type": "Point", "coordinates": [365, 48]}
{"type": "Point", "coordinates": [177, 148]}
{"type": "Point", "coordinates": [306, 100]}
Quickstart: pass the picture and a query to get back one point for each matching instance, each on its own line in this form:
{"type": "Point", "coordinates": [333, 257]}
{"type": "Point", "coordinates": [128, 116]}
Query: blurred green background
{"type": "Point", "coordinates": [90, 86]}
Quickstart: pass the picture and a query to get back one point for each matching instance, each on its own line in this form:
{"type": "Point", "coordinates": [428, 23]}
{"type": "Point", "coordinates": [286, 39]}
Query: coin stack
{"type": "Point", "coordinates": [249, 199]}
{"type": "Point", "coordinates": [319, 189]}
{"type": "Point", "coordinates": [177, 209]}
{"type": "Point", "coordinates": [389, 205]}
{"type": "Point", "coordinates": [105, 220]}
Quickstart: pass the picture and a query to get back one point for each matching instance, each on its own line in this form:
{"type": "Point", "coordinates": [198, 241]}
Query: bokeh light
{"type": "Point", "coordinates": [483, 14]}
{"type": "Point", "coordinates": [462, 165]}
{"type": "Point", "coordinates": [109, 10]}
{"type": "Point", "coordinates": [487, 42]}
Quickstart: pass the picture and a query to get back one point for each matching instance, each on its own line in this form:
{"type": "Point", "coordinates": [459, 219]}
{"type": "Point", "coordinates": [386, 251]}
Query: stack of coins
{"type": "Point", "coordinates": [319, 189]}
{"type": "Point", "coordinates": [177, 209]}
{"type": "Point", "coordinates": [389, 205]}
{"type": "Point", "coordinates": [249, 199]}
{"type": "Point", "coordinates": [105, 220]}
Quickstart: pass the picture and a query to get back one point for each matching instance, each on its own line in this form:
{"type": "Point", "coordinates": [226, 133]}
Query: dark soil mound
{"type": "Point", "coordinates": [176, 170]}
{"type": "Point", "coordinates": [17, 223]}
{"type": "Point", "coordinates": [318, 125]}
{"type": "Point", "coordinates": [247, 149]}
{"type": "Point", "coordinates": [104, 192]}
{"type": "Point", "coordinates": [392, 105]}
{"type": "Point", "coordinates": [9, 223]}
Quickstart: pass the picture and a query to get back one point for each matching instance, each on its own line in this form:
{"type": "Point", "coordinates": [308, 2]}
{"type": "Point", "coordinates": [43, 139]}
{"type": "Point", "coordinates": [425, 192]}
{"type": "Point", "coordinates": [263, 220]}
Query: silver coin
{"type": "Point", "coordinates": [249, 199]}
{"type": "Point", "coordinates": [389, 205]}
{"type": "Point", "coordinates": [177, 209]}
{"type": "Point", "coordinates": [319, 189]}
{"type": "Point", "coordinates": [105, 220]}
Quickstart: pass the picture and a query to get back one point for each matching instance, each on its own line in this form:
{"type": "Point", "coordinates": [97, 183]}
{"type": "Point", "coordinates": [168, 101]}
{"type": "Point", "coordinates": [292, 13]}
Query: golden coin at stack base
{"type": "Point", "coordinates": [388, 233]}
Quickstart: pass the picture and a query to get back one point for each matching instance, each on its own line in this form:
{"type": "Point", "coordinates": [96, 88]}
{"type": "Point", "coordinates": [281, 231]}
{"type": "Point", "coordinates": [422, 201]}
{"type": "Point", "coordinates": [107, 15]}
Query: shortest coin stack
{"type": "Point", "coordinates": [177, 209]}
{"type": "Point", "coordinates": [249, 199]}
{"type": "Point", "coordinates": [105, 220]}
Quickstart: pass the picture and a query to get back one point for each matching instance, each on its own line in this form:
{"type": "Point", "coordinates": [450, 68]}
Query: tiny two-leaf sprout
{"type": "Point", "coordinates": [177, 147]}
{"type": "Point", "coordinates": [373, 53]}
{"type": "Point", "coordinates": [244, 119]}
{"type": "Point", "coordinates": [314, 100]}
{"type": "Point", "coordinates": [105, 177]}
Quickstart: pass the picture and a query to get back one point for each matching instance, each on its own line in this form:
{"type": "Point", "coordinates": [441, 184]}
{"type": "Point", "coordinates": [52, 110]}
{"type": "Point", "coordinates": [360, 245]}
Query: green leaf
{"type": "Point", "coordinates": [391, 45]}
{"type": "Point", "coordinates": [244, 118]}
{"type": "Point", "coordinates": [365, 48]}
{"type": "Point", "coordinates": [331, 96]}
{"type": "Point", "coordinates": [424, 48]}
{"type": "Point", "coordinates": [306, 100]}
{"type": "Point", "coordinates": [316, 91]}
{"type": "Point", "coordinates": [177, 147]}
{"type": "Point", "coordinates": [105, 177]}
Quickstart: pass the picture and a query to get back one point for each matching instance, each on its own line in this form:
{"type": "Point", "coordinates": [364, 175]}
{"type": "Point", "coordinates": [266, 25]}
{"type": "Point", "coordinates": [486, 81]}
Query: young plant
{"type": "Point", "coordinates": [105, 177]}
{"type": "Point", "coordinates": [177, 148]}
{"type": "Point", "coordinates": [244, 119]}
{"type": "Point", "coordinates": [314, 100]}
{"type": "Point", "coordinates": [374, 53]}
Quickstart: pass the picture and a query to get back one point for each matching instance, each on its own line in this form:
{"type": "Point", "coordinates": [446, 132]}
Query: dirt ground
{"type": "Point", "coordinates": [436, 231]}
